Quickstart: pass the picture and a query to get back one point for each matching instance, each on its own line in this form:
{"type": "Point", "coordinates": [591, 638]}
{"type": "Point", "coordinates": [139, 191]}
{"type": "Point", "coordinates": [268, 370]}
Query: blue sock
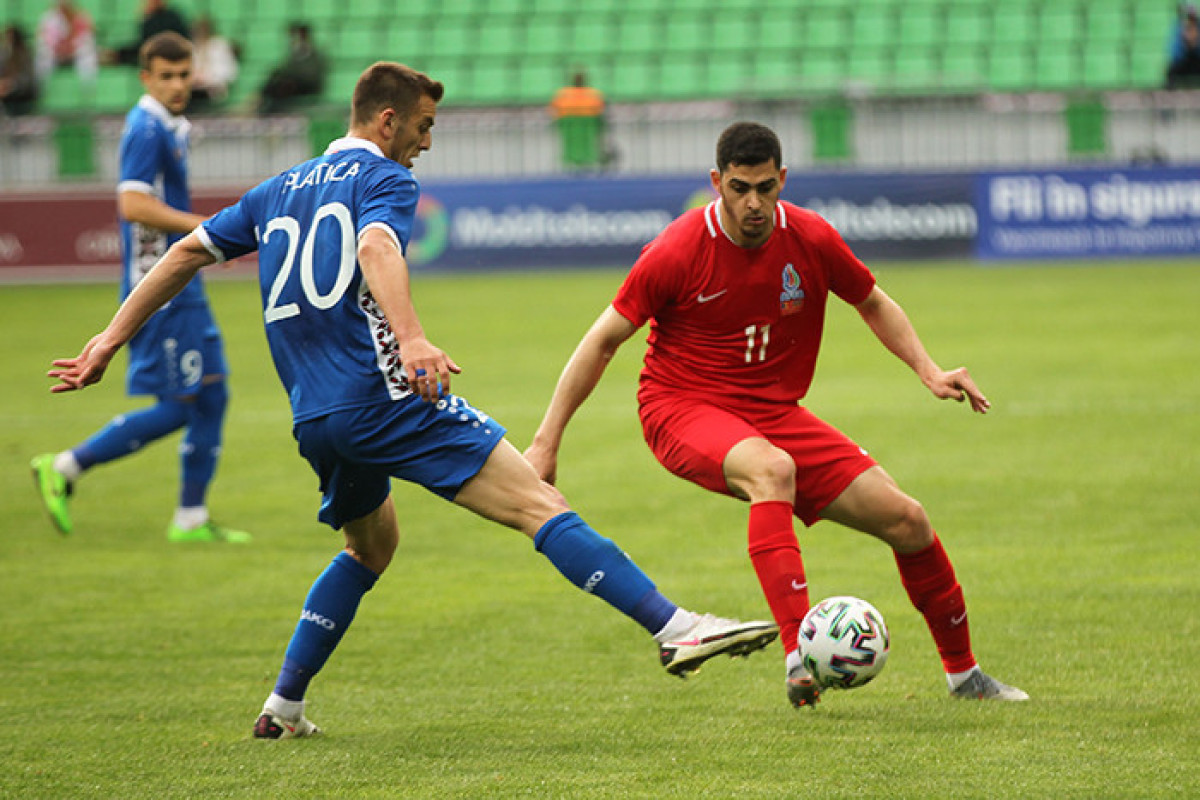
{"type": "Point", "coordinates": [328, 611]}
{"type": "Point", "coordinates": [202, 443]}
{"type": "Point", "coordinates": [596, 565]}
{"type": "Point", "coordinates": [129, 433]}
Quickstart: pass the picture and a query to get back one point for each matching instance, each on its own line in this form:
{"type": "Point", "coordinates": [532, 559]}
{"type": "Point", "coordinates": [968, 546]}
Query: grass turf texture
{"type": "Point", "coordinates": [134, 668]}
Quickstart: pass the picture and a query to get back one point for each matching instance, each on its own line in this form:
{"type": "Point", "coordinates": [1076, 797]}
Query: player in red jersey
{"type": "Point", "coordinates": [735, 295]}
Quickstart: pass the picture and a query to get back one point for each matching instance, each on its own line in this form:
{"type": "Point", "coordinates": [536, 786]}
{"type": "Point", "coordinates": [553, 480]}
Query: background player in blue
{"type": "Point", "coordinates": [177, 356]}
{"type": "Point", "coordinates": [370, 394]}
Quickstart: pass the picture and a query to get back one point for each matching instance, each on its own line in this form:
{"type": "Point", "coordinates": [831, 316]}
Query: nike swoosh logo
{"type": "Point", "coordinates": [956, 621]}
{"type": "Point", "coordinates": [704, 298]}
{"type": "Point", "coordinates": [799, 586]}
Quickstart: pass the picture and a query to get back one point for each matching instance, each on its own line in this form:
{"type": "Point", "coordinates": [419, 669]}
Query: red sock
{"type": "Point", "coordinates": [928, 577]}
{"type": "Point", "coordinates": [775, 553]}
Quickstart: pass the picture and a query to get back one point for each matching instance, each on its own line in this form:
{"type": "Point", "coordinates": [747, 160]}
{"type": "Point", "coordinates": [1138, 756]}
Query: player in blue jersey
{"type": "Point", "coordinates": [370, 394]}
{"type": "Point", "coordinates": [178, 356]}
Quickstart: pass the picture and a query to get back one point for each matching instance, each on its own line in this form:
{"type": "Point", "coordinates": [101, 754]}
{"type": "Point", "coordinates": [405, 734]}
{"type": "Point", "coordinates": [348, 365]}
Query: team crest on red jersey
{"type": "Point", "coordinates": [792, 296]}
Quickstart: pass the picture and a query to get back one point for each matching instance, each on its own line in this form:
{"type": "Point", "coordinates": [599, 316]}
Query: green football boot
{"type": "Point", "coordinates": [54, 489]}
{"type": "Point", "coordinates": [208, 532]}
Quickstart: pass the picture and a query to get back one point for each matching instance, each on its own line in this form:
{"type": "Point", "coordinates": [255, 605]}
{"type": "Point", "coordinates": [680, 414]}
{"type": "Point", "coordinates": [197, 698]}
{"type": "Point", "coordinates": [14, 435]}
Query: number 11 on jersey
{"type": "Point", "coordinates": [757, 337]}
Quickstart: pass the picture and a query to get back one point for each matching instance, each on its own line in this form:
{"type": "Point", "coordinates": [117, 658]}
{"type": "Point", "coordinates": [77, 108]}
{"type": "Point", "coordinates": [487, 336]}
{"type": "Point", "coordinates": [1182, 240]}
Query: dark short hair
{"type": "Point", "coordinates": [386, 84]}
{"type": "Point", "coordinates": [748, 144]}
{"type": "Point", "coordinates": [168, 45]}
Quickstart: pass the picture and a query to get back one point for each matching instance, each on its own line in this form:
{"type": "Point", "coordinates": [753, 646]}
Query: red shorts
{"type": "Point", "coordinates": [691, 437]}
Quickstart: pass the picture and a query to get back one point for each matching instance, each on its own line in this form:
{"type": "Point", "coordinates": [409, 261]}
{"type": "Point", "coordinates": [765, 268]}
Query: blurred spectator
{"type": "Point", "coordinates": [214, 65]}
{"type": "Point", "coordinates": [1175, 44]}
{"type": "Point", "coordinates": [578, 112]}
{"type": "Point", "coordinates": [67, 37]}
{"type": "Point", "coordinates": [157, 17]}
{"type": "Point", "coordinates": [302, 74]}
{"type": "Point", "coordinates": [18, 81]}
{"type": "Point", "coordinates": [1184, 70]}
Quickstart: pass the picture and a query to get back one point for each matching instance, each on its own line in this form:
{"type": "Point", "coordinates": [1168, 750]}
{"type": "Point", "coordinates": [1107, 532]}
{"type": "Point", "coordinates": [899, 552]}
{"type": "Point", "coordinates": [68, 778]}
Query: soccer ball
{"type": "Point", "coordinates": [844, 642]}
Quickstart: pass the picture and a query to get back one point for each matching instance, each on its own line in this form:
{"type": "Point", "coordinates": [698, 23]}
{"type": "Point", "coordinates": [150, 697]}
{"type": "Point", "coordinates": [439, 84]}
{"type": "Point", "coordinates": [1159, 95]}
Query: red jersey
{"type": "Point", "coordinates": [735, 323]}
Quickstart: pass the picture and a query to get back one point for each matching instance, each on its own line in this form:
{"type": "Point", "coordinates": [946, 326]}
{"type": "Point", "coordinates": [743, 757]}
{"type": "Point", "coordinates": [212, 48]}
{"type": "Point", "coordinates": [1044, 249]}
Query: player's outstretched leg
{"type": "Point", "coordinates": [597, 566]}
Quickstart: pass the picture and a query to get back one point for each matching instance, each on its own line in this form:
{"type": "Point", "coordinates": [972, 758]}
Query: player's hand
{"type": "Point", "coordinates": [428, 369]}
{"type": "Point", "coordinates": [544, 461]}
{"type": "Point", "coordinates": [958, 385]}
{"type": "Point", "coordinates": [85, 369]}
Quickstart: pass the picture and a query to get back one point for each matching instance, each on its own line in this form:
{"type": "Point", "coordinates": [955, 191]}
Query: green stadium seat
{"type": "Point", "coordinates": [916, 72]}
{"type": "Point", "coordinates": [539, 79]}
{"type": "Point", "coordinates": [730, 73]}
{"type": "Point", "coordinates": [1010, 70]}
{"type": "Point", "coordinates": [500, 38]}
{"type": "Point", "coordinates": [493, 82]}
{"type": "Point", "coordinates": [1057, 69]}
{"type": "Point", "coordinates": [1012, 26]}
{"type": "Point", "coordinates": [687, 34]}
{"type": "Point", "coordinates": [116, 90]}
{"type": "Point", "coordinates": [358, 40]}
{"type": "Point", "coordinates": [965, 25]}
{"type": "Point", "coordinates": [1106, 25]}
{"type": "Point", "coordinates": [495, 9]}
{"type": "Point", "coordinates": [1105, 66]}
{"type": "Point", "coordinates": [541, 8]}
{"type": "Point", "coordinates": [821, 71]}
{"type": "Point", "coordinates": [593, 35]}
{"type": "Point", "coordinates": [920, 27]}
{"type": "Point", "coordinates": [639, 35]}
{"type": "Point", "coordinates": [873, 27]}
{"type": "Point", "coordinates": [1148, 67]}
{"type": "Point", "coordinates": [405, 43]}
{"type": "Point", "coordinates": [963, 69]}
{"type": "Point", "coordinates": [634, 79]}
{"type": "Point", "coordinates": [825, 31]}
{"type": "Point", "coordinates": [734, 31]}
{"type": "Point", "coordinates": [777, 73]}
{"type": "Point", "coordinates": [870, 70]}
{"type": "Point", "coordinates": [1059, 25]}
{"type": "Point", "coordinates": [452, 37]}
{"type": "Point", "coordinates": [682, 76]}
{"type": "Point", "coordinates": [547, 37]}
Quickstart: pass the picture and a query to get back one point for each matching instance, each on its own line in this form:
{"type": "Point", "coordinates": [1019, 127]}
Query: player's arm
{"type": "Point", "coordinates": [168, 278]}
{"type": "Point", "coordinates": [386, 273]}
{"type": "Point", "coordinates": [148, 210]}
{"type": "Point", "coordinates": [891, 326]}
{"type": "Point", "coordinates": [579, 378]}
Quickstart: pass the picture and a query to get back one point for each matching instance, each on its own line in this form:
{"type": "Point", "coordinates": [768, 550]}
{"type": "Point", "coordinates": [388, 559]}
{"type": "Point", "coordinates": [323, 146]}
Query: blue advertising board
{"type": "Point", "coordinates": [1082, 213]}
{"type": "Point", "coordinates": [606, 221]}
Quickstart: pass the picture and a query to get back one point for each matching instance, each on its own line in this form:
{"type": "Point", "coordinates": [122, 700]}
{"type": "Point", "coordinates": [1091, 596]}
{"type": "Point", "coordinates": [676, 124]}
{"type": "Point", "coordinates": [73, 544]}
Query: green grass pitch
{"type": "Point", "coordinates": [133, 668]}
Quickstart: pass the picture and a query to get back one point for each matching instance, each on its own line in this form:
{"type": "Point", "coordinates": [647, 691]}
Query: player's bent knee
{"type": "Point", "coordinates": [909, 530]}
{"type": "Point", "coordinates": [761, 472]}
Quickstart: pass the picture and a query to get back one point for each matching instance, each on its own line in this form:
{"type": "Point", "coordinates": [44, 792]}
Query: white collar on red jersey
{"type": "Point", "coordinates": [712, 218]}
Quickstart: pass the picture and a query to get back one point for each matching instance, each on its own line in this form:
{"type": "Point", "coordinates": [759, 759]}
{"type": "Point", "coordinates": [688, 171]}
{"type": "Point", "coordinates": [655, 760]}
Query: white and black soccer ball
{"type": "Point", "coordinates": [844, 642]}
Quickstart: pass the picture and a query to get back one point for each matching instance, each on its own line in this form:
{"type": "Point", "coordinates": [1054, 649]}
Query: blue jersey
{"type": "Point", "coordinates": [153, 160]}
{"type": "Point", "coordinates": [330, 341]}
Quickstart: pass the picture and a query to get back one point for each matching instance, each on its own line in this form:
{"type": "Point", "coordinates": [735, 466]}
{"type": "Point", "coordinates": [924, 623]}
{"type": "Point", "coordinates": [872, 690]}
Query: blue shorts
{"type": "Point", "coordinates": [175, 349]}
{"type": "Point", "coordinates": [356, 452]}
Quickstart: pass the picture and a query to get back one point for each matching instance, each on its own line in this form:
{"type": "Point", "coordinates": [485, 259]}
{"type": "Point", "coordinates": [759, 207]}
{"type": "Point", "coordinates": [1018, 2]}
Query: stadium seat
{"type": "Point", "coordinates": [1105, 66]}
{"type": "Point", "coordinates": [1010, 70]}
{"type": "Point", "coordinates": [452, 38]}
{"type": "Point", "coordinates": [1059, 25]}
{"type": "Point", "coordinates": [405, 43]}
{"type": "Point", "coordinates": [821, 71]}
{"type": "Point", "coordinates": [682, 76]}
{"type": "Point", "coordinates": [593, 35]}
{"type": "Point", "coordinates": [730, 73]}
{"type": "Point", "coordinates": [1013, 25]}
{"type": "Point", "coordinates": [870, 70]}
{"type": "Point", "coordinates": [687, 34]}
{"type": "Point", "coordinates": [1057, 69]}
{"type": "Point", "coordinates": [965, 25]}
{"type": "Point", "coordinates": [500, 38]}
{"type": "Point", "coordinates": [920, 27]}
{"type": "Point", "coordinates": [639, 35]}
{"type": "Point", "coordinates": [734, 32]}
{"type": "Point", "coordinates": [634, 79]}
{"type": "Point", "coordinates": [963, 68]}
{"type": "Point", "coordinates": [539, 79]}
{"type": "Point", "coordinates": [916, 72]}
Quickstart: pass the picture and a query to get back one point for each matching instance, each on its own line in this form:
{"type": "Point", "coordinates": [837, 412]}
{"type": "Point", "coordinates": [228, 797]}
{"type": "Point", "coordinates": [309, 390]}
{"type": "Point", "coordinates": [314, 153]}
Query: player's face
{"type": "Point", "coordinates": [748, 198]}
{"type": "Point", "coordinates": [414, 134]}
{"type": "Point", "coordinates": [169, 82]}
